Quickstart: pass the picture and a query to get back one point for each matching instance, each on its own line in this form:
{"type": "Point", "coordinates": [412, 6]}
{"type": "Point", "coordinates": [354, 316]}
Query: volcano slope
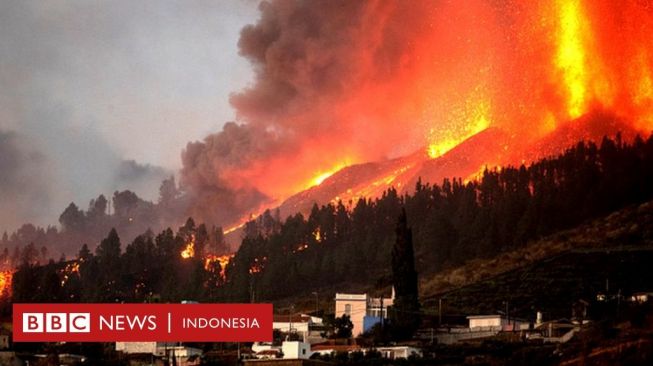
{"type": "Point", "coordinates": [607, 256]}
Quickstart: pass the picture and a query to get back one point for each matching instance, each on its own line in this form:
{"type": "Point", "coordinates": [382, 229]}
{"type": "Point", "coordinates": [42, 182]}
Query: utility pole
{"type": "Point", "coordinates": [292, 308]}
{"type": "Point", "coordinates": [382, 314]}
{"type": "Point", "coordinates": [508, 312]}
{"type": "Point", "coordinates": [439, 314]}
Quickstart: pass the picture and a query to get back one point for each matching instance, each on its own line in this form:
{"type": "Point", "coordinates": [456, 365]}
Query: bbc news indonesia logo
{"type": "Point", "coordinates": [142, 322]}
{"type": "Point", "coordinates": [56, 322]}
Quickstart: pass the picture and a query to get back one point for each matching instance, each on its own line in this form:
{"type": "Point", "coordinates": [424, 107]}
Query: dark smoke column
{"type": "Point", "coordinates": [320, 96]}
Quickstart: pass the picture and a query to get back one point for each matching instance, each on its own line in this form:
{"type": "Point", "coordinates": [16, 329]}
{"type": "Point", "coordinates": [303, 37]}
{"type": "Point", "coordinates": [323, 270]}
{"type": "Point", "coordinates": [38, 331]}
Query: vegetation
{"type": "Point", "coordinates": [452, 223]}
{"type": "Point", "coordinates": [131, 217]}
{"type": "Point", "coordinates": [150, 269]}
{"type": "Point", "coordinates": [405, 312]}
{"type": "Point", "coordinates": [351, 243]}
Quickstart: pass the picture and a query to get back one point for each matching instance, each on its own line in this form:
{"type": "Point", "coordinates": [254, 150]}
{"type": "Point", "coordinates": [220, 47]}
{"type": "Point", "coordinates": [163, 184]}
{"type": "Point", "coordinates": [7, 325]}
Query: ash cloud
{"type": "Point", "coordinates": [91, 84]}
{"type": "Point", "coordinates": [139, 177]}
{"type": "Point", "coordinates": [320, 95]}
{"type": "Point", "coordinates": [24, 189]}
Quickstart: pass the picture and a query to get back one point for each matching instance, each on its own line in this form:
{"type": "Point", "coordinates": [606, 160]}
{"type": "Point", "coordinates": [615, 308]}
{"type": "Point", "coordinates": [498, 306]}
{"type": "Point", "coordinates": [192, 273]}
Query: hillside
{"type": "Point", "coordinates": [342, 248]}
{"type": "Point", "coordinates": [627, 227]}
{"type": "Point", "coordinates": [551, 273]}
{"type": "Point", "coordinates": [488, 148]}
{"type": "Point", "coordinates": [617, 247]}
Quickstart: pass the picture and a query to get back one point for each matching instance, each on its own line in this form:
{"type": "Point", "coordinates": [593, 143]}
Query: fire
{"type": "Point", "coordinates": [5, 282]}
{"type": "Point", "coordinates": [71, 269]}
{"type": "Point", "coordinates": [189, 250]}
{"type": "Point", "coordinates": [234, 228]}
{"type": "Point", "coordinates": [525, 68]}
{"type": "Point", "coordinates": [258, 265]}
{"type": "Point", "coordinates": [302, 247]}
{"type": "Point", "coordinates": [478, 119]}
{"type": "Point", "coordinates": [571, 56]}
{"type": "Point", "coordinates": [322, 176]}
{"type": "Point", "coordinates": [223, 260]}
{"type": "Point", "coordinates": [643, 91]}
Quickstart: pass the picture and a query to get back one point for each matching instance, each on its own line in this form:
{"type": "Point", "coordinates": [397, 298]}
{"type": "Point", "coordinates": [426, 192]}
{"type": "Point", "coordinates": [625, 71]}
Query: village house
{"type": "Point", "coordinates": [480, 326]}
{"type": "Point", "coordinates": [295, 323]}
{"type": "Point", "coordinates": [496, 322]}
{"type": "Point", "coordinates": [183, 355]}
{"type": "Point", "coordinates": [289, 350]}
{"type": "Point", "coordinates": [308, 327]}
{"type": "Point", "coordinates": [363, 311]}
{"type": "Point", "coordinates": [397, 352]}
{"type": "Point", "coordinates": [641, 297]}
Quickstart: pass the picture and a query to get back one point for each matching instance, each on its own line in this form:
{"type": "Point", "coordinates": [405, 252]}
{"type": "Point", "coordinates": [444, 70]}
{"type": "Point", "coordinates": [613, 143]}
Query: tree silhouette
{"type": "Point", "coordinates": [405, 311]}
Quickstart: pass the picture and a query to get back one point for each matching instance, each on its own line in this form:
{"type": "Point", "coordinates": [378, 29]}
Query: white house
{"type": "Point", "coordinates": [184, 356]}
{"type": "Point", "coordinates": [364, 311]}
{"type": "Point", "coordinates": [296, 350]}
{"type": "Point", "coordinates": [391, 352]}
{"type": "Point", "coordinates": [496, 322]}
{"type": "Point", "coordinates": [289, 349]}
{"type": "Point", "coordinates": [137, 347]}
{"type": "Point", "coordinates": [396, 352]}
{"type": "Point", "coordinates": [295, 323]}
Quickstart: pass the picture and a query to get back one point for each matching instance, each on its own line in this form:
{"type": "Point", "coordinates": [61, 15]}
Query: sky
{"type": "Point", "coordinates": [97, 96]}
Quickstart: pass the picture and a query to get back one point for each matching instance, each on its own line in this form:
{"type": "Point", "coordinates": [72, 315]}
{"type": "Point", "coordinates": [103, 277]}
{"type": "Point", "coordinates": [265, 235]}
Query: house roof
{"type": "Point", "coordinates": [334, 347]}
{"type": "Point", "coordinates": [560, 323]}
{"type": "Point", "coordinates": [272, 351]}
{"type": "Point", "coordinates": [297, 318]}
{"type": "Point", "coordinates": [351, 297]}
{"type": "Point", "coordinates": [485, 316]}
{"type": "Point", "coordinates": [497, 316]}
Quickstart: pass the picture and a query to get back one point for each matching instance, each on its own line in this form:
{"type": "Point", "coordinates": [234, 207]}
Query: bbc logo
{"type": "Point", "coordinates": [56, 322]}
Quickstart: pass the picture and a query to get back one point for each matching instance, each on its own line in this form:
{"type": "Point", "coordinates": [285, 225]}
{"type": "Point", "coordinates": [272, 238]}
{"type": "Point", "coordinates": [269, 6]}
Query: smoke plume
{"type": "Point", "coordinates": [23, 187]}
{"type": "Point", "coordinates": [341, 82]}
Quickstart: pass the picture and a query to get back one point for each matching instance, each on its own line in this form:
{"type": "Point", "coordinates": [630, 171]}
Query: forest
{"type": "Point", "coordinates": [349, 243]}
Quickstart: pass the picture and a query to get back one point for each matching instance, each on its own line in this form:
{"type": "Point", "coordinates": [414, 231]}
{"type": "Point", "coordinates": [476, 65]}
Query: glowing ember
{"type": "Point", "coordinates": [302, 247]}
{"type": "Point", "coordinates": [317, 235]}
{"type": "Point", "coordinates": [477, 118]}
{"type": "Point", "coordinates": [258, 265]}
{"type": "Point", "coordinates": [68, 271]}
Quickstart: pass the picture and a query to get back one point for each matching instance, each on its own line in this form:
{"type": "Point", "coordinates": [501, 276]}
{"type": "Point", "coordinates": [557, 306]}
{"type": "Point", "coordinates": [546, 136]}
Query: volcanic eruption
{"type": "Point", "coordinates": [352, 97]}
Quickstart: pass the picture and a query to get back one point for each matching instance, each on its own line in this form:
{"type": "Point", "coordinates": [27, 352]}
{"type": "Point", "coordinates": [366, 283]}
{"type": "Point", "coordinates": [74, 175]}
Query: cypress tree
{"type": "Point", "coordinates": [405, 312]}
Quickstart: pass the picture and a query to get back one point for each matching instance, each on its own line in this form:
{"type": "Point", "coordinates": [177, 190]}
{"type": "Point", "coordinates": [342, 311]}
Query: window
{"type": "Point", "coordinates": [348, 309]}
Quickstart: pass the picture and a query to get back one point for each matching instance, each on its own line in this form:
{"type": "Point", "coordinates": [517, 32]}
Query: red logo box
{"type": "Point", "coordinates": [142, 322]}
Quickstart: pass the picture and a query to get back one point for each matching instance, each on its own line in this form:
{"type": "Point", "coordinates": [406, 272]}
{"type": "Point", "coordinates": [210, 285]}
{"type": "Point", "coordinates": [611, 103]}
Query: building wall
{"type": "Point", "coordinates": [299, 327]}
{"type": "Point", "coordinates": [399, 352]}
{"type": "Point", "coordinates": [500, 322]}
{"type": "Point", "coordinates": [136, 347]}
{"type": "Point", "coordinates": [486, 322]}
{"type": "Point", "coordinates": [356, 306]}
{"type": "Point", "coordinates": [293, 350]}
